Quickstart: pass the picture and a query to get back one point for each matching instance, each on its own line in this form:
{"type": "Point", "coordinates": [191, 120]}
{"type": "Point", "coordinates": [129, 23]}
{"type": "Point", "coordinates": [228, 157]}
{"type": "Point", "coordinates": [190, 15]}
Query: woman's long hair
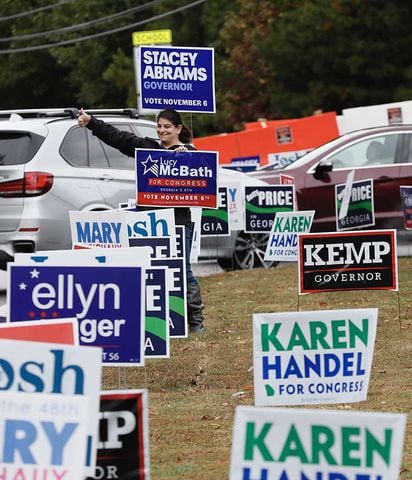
{"type": "Point", "coordinates": [185, 135]}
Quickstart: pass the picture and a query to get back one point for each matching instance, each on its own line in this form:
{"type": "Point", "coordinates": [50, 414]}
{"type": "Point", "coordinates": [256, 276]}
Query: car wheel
{"type": "Point", "coordinates": [249, 251]}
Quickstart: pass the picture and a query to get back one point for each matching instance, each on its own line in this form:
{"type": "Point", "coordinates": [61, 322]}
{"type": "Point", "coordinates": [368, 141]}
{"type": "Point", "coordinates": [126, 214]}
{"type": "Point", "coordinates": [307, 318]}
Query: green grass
{"type": "Point", "coordinates": [194, 393]}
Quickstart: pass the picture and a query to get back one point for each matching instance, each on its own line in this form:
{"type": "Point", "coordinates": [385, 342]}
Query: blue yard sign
{"type": "Point", "coordinates": [176, 280]}
{"type": "Point", "coordinates": [166, 178]}
{"type": "Point", "coordinates": [157, 314]}
{"type": "Point", "coordinates": [181, 78]}
{"type": "Point", "coordinates": [108, 302]}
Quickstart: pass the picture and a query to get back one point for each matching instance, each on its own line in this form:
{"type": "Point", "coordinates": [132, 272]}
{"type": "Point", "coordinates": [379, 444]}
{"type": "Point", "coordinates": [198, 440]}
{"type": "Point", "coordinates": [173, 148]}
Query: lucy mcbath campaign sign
{"type": "Point", "coordinates": [166, 178]}
{"type": "Point", "coordinates": [30, 367]}
{"type": "Point", "coordinates": [123, 448]}
{"type": "Point", "coordinates": [313, 357]}
{"type": "Point", "coordinates": [107, 301]}
{"type": "Point", "coordinates": [347, 261]}
{"type": "Point", "coordinates": [263, 202]}
{"type": "Point", "coordinates": [308, 444]}
{"type": "Point", "coordinates": [181, 78]}
{"type": "Point", "coordinates": [42, 436]}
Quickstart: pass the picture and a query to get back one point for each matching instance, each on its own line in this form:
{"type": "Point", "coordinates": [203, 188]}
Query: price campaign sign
{"type": "Point", "coordinates": [263, 202]}
{"type": "Point", "coordinates": [354, 205]}
{"type": "Point", "coordinates": [181, 78]}
{"type": "Point", "coordinates": [107, 301]}
{"type": "Point", "coordinates": [166, 178]}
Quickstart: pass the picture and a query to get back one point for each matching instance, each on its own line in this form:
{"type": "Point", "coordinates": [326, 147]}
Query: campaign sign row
{"type": "Point", "coordinates": [56, 423]}
{"type": "Point", "coordinates": [130, 300]}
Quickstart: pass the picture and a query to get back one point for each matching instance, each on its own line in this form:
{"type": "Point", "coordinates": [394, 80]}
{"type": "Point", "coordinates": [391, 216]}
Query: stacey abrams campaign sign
{"type": "Point", "coordinates": [181, 78]}
{"type": "Point", "coordinates": [166, 178]}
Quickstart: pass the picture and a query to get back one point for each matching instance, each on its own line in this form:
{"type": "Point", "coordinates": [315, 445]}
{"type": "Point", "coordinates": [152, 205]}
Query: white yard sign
{"type": "Point", "coordinates": [283, 238]}
{"type": "Point", "coordinates": [297, 444]}
{"type": "Point", "coordinates": [313, 357]}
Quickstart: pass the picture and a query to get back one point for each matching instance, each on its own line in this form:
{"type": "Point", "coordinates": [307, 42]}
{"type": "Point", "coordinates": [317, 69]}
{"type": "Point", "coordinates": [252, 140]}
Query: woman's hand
{"type": "Point", "coordinates": [181, 148]}
{"type": "Point", "coordinates": [83, 119]}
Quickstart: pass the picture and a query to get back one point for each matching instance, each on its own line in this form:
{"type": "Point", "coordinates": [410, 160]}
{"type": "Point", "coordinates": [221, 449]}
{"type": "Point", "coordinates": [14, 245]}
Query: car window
{"type": "Point", "coordinates": [380, 150]}
{"type": "Point", "coordinates": [409, 149]}
{"type": "Point", "coordinates": [18, 148]}
{"type": "Point", "coordinates": [117, 159]}
{"type": "Point", "coordinates": [98, 158]}
{"type": "Point", "coordinates": [145, 131]}
{"type": "Point", "coordinates": [74, 147]}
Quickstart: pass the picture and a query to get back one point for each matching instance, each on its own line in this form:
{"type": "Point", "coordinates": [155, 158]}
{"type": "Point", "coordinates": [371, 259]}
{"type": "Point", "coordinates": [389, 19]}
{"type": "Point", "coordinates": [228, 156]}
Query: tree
{"type": "Point", "coordinates": [288, 58]}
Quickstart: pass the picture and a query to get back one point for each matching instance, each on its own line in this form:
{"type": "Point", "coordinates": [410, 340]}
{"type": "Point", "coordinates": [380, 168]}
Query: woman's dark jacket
{"type": "Point", "coordinates": [127, 142]}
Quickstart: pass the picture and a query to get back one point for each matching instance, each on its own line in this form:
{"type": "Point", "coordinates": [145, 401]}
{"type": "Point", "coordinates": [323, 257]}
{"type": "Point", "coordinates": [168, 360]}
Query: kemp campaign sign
{"type": "Point", "coordinates": [42, 436]}
{"type": "Point", "coordinates": [406, 200]}
{"type": "Point", "coordinates": [166, 178]}
{"type": "Point", "coordinates": [263, 202]}
{"type": "Point", "coordinates": [283, 239]}
{"type": "Point", "coordinates": [216, 221]}
{"type": "Point", "coordinates": [313, 357]}
{"type": "Point", "coordinates": [123, 449]}
{"type": "Point", "coordinates": [107, 301]}
{"type": "Point", "coordinates": [354, 205]}
{"type": "Point", "coordinates": [347, 261]}
{"type": "Point", "coordinates": [59, 369]}
{"type": "Point", "coordinates": [308, 444]}
{"type": "Point", "coordinates": [181, 78]}
{"type": "Point", "coordinates": [106, 229]}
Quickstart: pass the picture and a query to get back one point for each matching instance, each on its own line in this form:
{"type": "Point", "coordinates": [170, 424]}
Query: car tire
{"type": "Point", "coordinates": [249, 251]}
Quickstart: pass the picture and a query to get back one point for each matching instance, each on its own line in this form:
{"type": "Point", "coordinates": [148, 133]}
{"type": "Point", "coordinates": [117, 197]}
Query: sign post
{"type": "Point", "coordinates": [150, 37]}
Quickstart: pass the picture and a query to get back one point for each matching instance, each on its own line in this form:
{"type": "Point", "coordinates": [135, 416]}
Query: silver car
{"type": "Point", "coordinates": [49, 166]}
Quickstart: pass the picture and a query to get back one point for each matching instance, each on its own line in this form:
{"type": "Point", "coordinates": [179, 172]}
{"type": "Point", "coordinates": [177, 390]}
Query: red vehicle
{"type": "Point", "coordinates": [382, 153]}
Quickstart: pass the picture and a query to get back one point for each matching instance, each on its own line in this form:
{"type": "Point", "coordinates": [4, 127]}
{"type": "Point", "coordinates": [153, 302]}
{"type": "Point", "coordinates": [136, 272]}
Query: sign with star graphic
{"type": "Point", "coordinates": [166, 178]}
{"type": "Point", "coordinates": [108, 302]}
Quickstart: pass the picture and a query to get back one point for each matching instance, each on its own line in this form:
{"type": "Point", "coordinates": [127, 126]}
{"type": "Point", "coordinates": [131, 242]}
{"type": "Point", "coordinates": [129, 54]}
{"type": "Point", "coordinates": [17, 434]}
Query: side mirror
{"type": "Point", "coordinates": [321, 169]}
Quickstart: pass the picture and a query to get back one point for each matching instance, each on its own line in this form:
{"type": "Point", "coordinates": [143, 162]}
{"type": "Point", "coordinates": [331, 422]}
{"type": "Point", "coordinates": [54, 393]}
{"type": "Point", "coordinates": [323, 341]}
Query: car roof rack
{"type": "Point", "coordinates": [71, 112]}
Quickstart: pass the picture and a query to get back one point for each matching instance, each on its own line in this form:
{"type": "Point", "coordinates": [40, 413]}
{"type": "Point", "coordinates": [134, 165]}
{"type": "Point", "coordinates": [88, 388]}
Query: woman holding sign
{"type": "Point", "coordinates": [173, 135]}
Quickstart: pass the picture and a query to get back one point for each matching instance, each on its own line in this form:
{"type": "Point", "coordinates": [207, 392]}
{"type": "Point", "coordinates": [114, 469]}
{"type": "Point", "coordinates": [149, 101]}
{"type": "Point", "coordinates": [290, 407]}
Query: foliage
{"type": "Point", "coordinates": [193, 394]}
{"type": "Point", "coordinates": [278, 59]}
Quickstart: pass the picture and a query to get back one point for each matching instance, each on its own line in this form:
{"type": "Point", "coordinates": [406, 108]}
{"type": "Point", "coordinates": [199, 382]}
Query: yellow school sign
{"type": "Point", "coordinates": [152, 37]}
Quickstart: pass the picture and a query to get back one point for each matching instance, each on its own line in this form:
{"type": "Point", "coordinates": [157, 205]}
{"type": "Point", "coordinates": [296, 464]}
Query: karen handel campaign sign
{"type": "Point", "coordinates": [181, 78]}
{"type": "Point", "coordinates": [166, 178]}
{"type": "Point", "coordinates": [313, 357]}
{"type": "Point", "coordinates": [296, 444]}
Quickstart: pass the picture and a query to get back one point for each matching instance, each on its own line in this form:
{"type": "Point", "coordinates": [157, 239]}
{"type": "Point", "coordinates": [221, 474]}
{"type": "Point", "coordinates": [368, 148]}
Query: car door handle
{"type": "Point", "coordinates": [385, 178]}
{"type": "Point", "coordinates": [106, 178]}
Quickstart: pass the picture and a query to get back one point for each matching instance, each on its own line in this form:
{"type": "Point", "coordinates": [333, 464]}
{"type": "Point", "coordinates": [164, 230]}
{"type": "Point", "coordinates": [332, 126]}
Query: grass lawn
{"type": "Point", "coordinates": [194, 393]}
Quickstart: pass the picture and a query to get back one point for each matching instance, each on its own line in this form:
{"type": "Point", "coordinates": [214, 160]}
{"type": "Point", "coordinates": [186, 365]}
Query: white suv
{"type": "Point", "coordinates": [49, 166]}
